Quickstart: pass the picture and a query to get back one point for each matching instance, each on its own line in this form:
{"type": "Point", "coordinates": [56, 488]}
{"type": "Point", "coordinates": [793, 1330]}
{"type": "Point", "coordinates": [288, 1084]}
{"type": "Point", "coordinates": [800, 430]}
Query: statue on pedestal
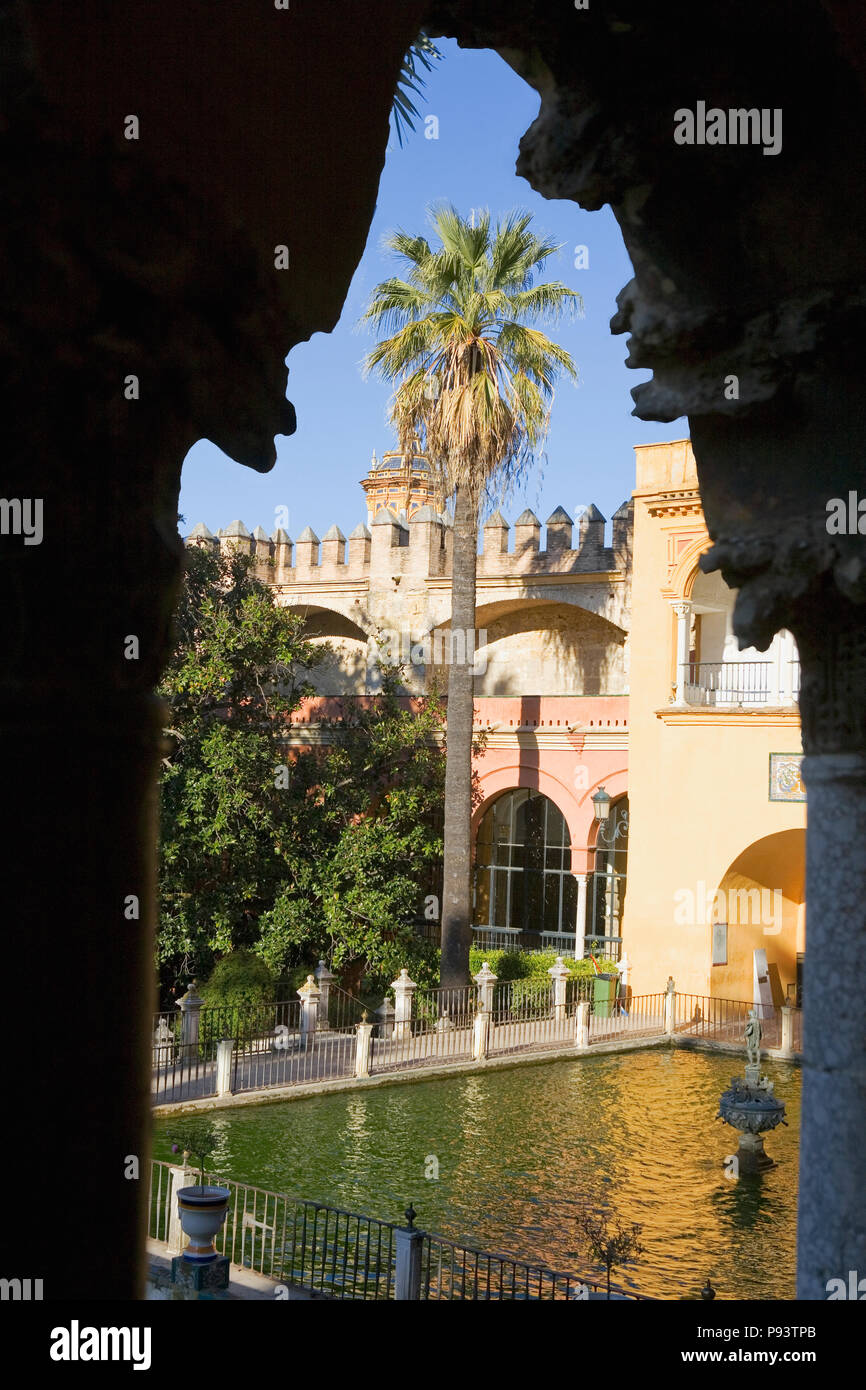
{"type": "Point", "coordinates": [754, 1034]}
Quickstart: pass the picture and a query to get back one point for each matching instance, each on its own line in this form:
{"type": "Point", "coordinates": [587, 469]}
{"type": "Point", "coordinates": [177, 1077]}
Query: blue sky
{"type": "Point", "coordinates": [342, 417]}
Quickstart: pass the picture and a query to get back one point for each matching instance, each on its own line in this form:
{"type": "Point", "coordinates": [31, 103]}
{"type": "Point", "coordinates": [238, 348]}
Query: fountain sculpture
{"type": "Point", "coordinates": [749, 1104]}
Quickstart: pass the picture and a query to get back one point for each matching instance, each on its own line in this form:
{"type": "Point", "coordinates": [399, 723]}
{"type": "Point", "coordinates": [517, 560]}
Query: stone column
{"type": "Point", "coordinates": [670, 1005]}
{"type": "Point", "coordinates": [404, 992]}
{"type": "Point", "coordinates": [581, 1029]}
{"type": "Point", "coordinates": [831, 1235]}
{"type": "Point", "coordinates": [385, 1017]}
{"type": "Point", "coordinates": [683, 611]}
{"type": "Point", "coordinates": [324, 979]}
{"type": "Point", "coordinates": [559, 973]}
{"type": "Point", "coordinates": [309, 997]}
{"type": "Point", "coordinates": [190, 1007]}
{"type": "Point", "coordinates": [480, 1035]}
{"type": "Point", "coordinates": [787, 1040]}
{"type": "Point", "coordinates": [580, 923]}
{"type": "Point", "coordinates": [178, 1177]}
{"type": "Point", "coordinates": [786, 679]}
{"type": "Point", "coordinates": [485, 980]}
{"type": "Point", "coordinates": [776, 678]}
{"type": "Point", "coordinates": [363, 1047]}
{"type": "Point", "coordinates": [225, 1052]}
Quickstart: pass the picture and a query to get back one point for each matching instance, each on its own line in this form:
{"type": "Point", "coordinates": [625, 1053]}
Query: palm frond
{"type": "Point", "coordinates": [423, 52]}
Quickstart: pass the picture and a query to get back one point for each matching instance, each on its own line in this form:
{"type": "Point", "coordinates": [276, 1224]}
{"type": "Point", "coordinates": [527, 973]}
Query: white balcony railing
{"type": "Point", "coordinates": [730, 684]}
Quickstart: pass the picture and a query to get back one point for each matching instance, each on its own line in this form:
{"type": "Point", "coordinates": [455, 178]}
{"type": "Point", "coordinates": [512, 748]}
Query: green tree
{"type": "Point", "coordinates": [239, 667]}
{"type": "Point", "coordinates": [292, 854]}
{"type": "Point", "coordinates": [474, 378]}
{"type": "Point", "coordinates": [378, 841]}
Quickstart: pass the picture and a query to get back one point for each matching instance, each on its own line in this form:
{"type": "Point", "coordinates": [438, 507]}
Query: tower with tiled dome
{"type": "Point", "coordinates": [402, 483]}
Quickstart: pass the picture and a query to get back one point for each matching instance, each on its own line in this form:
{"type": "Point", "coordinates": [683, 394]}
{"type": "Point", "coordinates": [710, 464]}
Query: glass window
{"type": "Point", "coordinates": [523, 873]}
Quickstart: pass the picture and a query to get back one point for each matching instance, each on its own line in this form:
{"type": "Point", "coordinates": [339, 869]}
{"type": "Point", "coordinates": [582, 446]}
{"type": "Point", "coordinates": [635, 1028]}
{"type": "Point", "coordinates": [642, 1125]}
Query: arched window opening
{"type": "Point", "coordinates": [525, 892]}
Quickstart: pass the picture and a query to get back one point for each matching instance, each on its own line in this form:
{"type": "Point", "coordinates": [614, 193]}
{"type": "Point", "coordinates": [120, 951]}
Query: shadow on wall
{"type": "Point", "coordinates": [343, 671]}
{"type": "Point", "coordinates": [552, 649]}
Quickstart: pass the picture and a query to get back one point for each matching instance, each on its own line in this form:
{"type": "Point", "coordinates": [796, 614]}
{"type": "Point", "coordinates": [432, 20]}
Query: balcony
{"type": "Point", "coordinates": [741, 684]}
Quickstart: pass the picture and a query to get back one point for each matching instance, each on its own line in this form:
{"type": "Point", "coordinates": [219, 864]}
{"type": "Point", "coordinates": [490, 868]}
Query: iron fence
{"type": "Point", "coordinates": [724, 1020]}
{"type": "Point", "coordinates": [636, 1015]}
{"type": "Point", "coordinates": [344, 1255]}
{"type": "Point", "coordinates": [295, 1057]}
{"type": "Point", "coordinates": [457, 1272]}
{"type": "Point", "coordinates": [524, 1015]}
{"type": "Point", "coordinates": [292, 1241]}
{"type": "Point", "coordinates": [275, 1044]}
{"type": "Point", "coordinates": [440, 1030]}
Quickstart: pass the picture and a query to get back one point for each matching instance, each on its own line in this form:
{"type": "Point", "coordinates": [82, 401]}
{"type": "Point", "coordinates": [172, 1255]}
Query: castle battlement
{"type": "Point", "coordinates": [421, 547]}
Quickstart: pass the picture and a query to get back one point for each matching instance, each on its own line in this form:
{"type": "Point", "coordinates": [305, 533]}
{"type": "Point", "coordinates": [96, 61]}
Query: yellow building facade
{"type": "Point", "coordinates": [716, 861]}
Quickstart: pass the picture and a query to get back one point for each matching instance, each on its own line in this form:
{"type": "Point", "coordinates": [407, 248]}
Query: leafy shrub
{"type": "Point", "coordinates": [237, 999]}
{"type": "Point", "coordinates": [239, 978]}
{"type": "Point", "coordinates": [524, 965]}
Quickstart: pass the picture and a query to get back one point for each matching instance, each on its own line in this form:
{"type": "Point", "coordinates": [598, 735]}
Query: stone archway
{"type": "Point", "coordinates": [762, 906]}
{"type": "Point", "coordinates": [159, 260]}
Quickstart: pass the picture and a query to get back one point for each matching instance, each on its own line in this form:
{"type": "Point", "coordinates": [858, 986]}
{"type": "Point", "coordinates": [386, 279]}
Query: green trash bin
{"type": "Point", "coordinates": [604, 995]}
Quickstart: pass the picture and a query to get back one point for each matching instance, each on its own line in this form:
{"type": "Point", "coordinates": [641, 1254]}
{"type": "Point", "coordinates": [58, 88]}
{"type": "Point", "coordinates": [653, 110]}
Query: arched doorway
{"type": "Point", "coordinates": [525, 892]}
{"type": "Point", "coordinates": [607, 884]}
{"type": "Point", "coordinates": [760, 904]}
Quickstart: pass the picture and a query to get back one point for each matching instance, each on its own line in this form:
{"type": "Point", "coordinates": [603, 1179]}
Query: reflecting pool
{"type": "Point", "coordinates": [519, 1151]}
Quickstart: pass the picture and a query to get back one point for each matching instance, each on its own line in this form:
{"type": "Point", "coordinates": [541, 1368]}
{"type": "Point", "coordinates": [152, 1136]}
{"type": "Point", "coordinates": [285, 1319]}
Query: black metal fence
{"type": "Point", "coordinates": [344, 1255]}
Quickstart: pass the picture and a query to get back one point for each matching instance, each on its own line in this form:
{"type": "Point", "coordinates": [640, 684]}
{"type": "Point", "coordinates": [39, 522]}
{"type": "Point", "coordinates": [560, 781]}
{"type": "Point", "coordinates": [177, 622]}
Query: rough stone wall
{"type": "Point", "coordinates": [550, 621]}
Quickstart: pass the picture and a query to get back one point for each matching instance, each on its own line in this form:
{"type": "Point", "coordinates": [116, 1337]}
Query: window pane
{"type": "Point", "coordinates": [481, 915]}
{"type": "Point", "coordinates": [515, 917]}
{"type": "Point", "coordinates": [551, 902]}
{"type": "Point", "coordinates": [569, 902]}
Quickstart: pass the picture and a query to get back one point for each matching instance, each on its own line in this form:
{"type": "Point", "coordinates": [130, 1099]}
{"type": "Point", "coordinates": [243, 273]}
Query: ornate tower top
{"type": "Point", "coordinates": [401, 483]}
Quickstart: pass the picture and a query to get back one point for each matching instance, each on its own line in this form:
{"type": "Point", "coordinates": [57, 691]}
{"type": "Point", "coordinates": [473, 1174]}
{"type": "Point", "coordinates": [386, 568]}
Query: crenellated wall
{"type": "Point", "coordinates": [550, 621]}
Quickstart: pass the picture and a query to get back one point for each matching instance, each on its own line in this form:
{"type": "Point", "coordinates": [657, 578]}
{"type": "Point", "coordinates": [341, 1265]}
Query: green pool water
{"type": "Point", "coordinates": [520, 1151]}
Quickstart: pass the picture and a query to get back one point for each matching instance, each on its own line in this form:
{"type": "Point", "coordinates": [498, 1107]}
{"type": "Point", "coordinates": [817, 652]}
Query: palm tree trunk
{"type": "Point", "coordinates": [457, 851]}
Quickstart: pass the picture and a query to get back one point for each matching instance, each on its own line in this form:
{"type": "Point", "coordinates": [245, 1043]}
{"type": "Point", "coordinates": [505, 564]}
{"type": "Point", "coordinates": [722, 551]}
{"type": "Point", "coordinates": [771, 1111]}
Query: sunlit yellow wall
{"type": "Point", "coordinates": [698, 778]}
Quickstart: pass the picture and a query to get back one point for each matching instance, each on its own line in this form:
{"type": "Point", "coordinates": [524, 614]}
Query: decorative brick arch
{"type": "Point", "coordinates": [685, 571]}
{"type": "Point", "coordinates": [506, 779]}
{"type": "Point", "coordinates": [575, 806]}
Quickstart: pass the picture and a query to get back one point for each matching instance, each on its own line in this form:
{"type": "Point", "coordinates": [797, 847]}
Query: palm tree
{"type": "Point", "coordinates": [474, 379]}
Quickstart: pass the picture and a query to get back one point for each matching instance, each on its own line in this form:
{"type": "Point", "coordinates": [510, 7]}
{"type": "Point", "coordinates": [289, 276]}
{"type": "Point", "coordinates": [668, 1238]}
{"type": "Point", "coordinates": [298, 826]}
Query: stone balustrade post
{"type": "Point", "coordinates": [190, 1008]}
{"type": "Point", "coordinates": [581, 1029]}
{"type": "Point", "coordinates": [324, 979]}
{"type": "Point", "coordinates": [787, 1044]}
{"type": "Point", "coordinates": [404, 992]}
{"type": "Point", "coordinates": [485, 980]}
{"type": "Point", "coordinates": [309, 997]}
{"type": "Point", "coordinates": [179, 1177]}
{"type": "Point", "coordinates": [385, 1017]}
{"type": "Point", "coordinates": [363, 1047]}
{"type": "Point", "coordinates": [407, 1274]}
{"type": "Point", "coordinates": [670, 1005]}
{"type": "Point", "coordinates": [225, 1052]}
{"type": "Point", "coordinates": [480, 1035]}
{"type": "Point", "coordinates": [559, 973]}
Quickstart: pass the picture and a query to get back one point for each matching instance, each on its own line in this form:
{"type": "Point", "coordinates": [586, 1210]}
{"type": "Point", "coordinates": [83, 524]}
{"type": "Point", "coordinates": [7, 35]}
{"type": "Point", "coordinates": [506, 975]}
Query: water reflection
{"type": "Point", "coordinates": [520, 1152]}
